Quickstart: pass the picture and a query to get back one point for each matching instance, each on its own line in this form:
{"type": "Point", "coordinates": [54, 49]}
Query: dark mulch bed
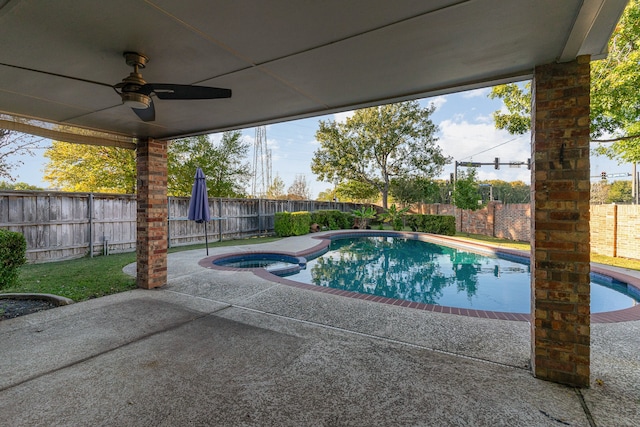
{"type": "Point", "coordinates": [10, 308]}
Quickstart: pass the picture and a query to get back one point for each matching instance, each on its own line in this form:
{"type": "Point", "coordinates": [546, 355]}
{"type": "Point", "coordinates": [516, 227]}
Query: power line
{"type": "Point", "coordinates": [491, 148]}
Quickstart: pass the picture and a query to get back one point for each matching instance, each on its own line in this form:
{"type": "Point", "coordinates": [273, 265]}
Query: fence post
{"type": "Point", "coordinates": [169, 222]}
{"type": "Point", "coordinates": [260, 222]}
{"type": "Point", "coordinates": [90, 209]}
{"type": "Point", "coordinates": [220, 220]}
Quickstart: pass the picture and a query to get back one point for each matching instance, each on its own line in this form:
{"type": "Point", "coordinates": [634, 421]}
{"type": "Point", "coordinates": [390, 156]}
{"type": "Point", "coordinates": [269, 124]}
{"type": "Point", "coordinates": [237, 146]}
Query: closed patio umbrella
{"type": "Point", "coordinates": [199, 203]}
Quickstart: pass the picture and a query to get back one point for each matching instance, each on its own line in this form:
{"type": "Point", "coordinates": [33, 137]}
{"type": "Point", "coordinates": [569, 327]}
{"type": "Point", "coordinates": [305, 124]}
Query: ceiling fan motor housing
{"type": "Point", "coordinates": [135, 100]}
{"type": "Point", "coordinates": [131, 84]}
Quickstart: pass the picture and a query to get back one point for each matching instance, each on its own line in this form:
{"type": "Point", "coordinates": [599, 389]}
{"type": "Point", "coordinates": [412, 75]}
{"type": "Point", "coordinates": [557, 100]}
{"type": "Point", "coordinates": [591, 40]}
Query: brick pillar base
{"type": "Point", "coordinates": [560, 332]}
{"type": "Point", "coordinates": [151, 240]}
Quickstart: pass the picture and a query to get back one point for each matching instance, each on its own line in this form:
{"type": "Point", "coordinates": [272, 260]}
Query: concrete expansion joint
{"type": "Point", "coordinates": [385, 339]}
{"type": "Point", "coordinates": [585, 408]}
{"type": "Point", "coordinates": [100, 353]}
{"type": "Point", "coordinates": [228, 305]}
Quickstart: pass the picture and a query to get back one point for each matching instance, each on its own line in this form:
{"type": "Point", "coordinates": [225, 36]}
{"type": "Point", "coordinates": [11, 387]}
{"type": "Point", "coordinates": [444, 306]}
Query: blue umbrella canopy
{"type": "Point", "coordinates": [199, 203]}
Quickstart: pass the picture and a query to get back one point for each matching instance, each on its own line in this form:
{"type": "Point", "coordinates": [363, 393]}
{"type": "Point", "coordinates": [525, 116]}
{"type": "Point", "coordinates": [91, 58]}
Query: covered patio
{"type": "Point", "coordinates": [285, 60]}
{"type": "Point", "coordinates": [231, 348]}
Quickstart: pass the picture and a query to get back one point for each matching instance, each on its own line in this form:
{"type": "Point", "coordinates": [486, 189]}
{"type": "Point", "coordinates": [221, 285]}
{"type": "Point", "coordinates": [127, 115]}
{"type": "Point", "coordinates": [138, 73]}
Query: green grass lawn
{"type": "Point", "coordinates": [601, 259]}
{"type": "Point", "coordinates": [523, 246]}
{"type": "Point", "coordinates": [78, 279]}
{"type": "Point", "coordinates": [86, 278]}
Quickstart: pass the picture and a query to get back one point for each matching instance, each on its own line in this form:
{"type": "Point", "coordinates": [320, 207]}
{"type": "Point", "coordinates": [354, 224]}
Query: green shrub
{"type": "Point", "coordinates": [436, 224]}
{"type": "Point", "coordinates": [364, 215]}
{"type": "Point", "coordinates": [292, 223]}
{"type": "Point", "coordinates": [13, 248]}
{"type": "Point", "coordinates": [332, 219]}
{"type": "Point", "coordinates": [395, 216]}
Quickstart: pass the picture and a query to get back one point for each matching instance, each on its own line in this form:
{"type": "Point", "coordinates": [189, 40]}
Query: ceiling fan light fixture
{"type": "Point", "coordinates": [136, 100]}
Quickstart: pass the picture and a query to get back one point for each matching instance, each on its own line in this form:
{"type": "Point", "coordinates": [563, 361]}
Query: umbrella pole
{"type": "Point", "coordinates": [206, 237]}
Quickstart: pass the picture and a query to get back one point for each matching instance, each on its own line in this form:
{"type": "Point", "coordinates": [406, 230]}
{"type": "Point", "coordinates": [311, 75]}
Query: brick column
{"type": "Point", "coordinates": [151, 240]}
{"type": "Point", "coordinates": [560, 329]}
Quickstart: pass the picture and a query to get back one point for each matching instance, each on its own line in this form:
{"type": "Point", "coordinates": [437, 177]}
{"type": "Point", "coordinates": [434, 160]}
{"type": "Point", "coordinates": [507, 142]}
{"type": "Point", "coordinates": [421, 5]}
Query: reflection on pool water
{"type": "Point", "coordinates": [428, 273]}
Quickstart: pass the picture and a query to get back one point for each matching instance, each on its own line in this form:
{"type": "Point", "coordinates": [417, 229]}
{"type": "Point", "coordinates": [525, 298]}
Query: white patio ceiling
{"type": "Point", "coordinates": [282, 59]}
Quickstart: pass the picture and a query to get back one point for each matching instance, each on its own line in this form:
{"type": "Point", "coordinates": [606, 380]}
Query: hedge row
{"type": "Point", "coordinates": [298, 223]}
{"type": "Point", "coordinates": [13, 250]}
{"type": "Point", "coordinates": [292, 223]}
{"type": "Point", "coordinates": [435, 224]}
{"type": "Point", "coordinates": [332, 219]}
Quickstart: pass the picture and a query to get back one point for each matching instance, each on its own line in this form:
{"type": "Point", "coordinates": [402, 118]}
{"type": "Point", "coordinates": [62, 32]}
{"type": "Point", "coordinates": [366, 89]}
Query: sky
{"type": "Point", "coordinates": [466, 132]}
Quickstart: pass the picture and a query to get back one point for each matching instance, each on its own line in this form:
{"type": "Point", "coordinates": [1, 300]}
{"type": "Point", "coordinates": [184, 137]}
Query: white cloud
{"type": "Point", "coordinates": [342, 117]}
{"type": "Point", "coordinates": [215, 138]}
{"type": "Point", "coordinates": [482, 142]}
{"type": "Point", "coordinates": [484, 119]}
{"type": "Point", "coordinates": [438, 101]}
{"type": "Point", "coordinates": [273, 144]}
{"type": "Point", "coordinates": [475, 93]}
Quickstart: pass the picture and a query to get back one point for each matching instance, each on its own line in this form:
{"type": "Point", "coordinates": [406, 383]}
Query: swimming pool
{"type": "Point", "coordinates": [502, 270]}
{"type": "Point", "coordinates": [428, 273]}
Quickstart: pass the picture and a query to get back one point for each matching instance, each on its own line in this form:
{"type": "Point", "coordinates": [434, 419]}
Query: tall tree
{"type": "Point", "coordinates": [466, 192]}
{"type": "Point", "coordinates": [223, 164]}
{"type": "Point", "coordinates": [510, 192]}
{"type": "Point", "coordinates": [299, 189]}
{"type": "Point", "coordinates": [438, 191]}
{"type": "Point", "coordinates": [615, 98]}
{"type": "Point", "coordinates": [377, 144]}
{"type": "Point", "coordinates": [357, 192]}
{"type": "Point", "coordinates": [599, 192]}
{"type": "Point", "coordinates": [90, 168]}
{"type": "Point", "coordinates": [327, 195]}
{"type": "Point", "coordinates": [408, 191]}
{"type": "Point", "coordinates": [14, 144]}
{"type": "Point", "coordinates": [614, 94]}
{"type": "Point", "coordinates": [276, 189]}
{"type": "Point", "coordinates": [18, 186]}
{"type": "Point", "coordinates": [517, 100]}
{"type": "Point", "coordinates": [620, 192]}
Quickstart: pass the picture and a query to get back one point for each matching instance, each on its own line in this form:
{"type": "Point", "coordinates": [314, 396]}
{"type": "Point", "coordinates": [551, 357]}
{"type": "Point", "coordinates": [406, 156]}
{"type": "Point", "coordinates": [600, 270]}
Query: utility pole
{"type": "Point", "coordinates": [261, 164]}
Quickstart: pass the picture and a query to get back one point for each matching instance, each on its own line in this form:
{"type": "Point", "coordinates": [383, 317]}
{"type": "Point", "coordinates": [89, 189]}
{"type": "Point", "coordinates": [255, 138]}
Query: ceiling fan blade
{"type": "Point", "coordinates": [146, 114]}
{"type": "Point", "coordinates": [78, 79]}
{"type": "Point", "coordinates": [171, 91]}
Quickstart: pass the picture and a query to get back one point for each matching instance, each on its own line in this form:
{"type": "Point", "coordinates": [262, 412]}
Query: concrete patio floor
{"type": "Point", "coordinates": [232, 349]}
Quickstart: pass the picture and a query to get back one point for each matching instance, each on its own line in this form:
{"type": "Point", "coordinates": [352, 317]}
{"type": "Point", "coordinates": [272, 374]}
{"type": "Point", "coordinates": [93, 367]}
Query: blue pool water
{"type": "Point", "coordinates": [428, 273]}
{"type": "Point", "coordinates": [278, 264]}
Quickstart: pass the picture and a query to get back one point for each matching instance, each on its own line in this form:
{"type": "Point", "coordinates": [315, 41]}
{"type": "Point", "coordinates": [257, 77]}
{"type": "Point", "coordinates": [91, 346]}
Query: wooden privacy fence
{"type": "Point", "coordinates": [613, 228]}
{"type": "Point", "coordinates": [60, 225]}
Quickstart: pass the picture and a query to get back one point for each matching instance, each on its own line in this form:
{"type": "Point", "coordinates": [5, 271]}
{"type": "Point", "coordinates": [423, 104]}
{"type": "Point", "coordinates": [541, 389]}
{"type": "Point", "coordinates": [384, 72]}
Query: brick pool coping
{"type": "Point", "coordinates": [625, 315]}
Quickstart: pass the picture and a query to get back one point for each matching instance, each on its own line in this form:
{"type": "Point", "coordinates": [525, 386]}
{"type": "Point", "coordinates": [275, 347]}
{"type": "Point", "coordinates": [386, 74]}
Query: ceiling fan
{"type": "Point", "coordinates": [136, 92]}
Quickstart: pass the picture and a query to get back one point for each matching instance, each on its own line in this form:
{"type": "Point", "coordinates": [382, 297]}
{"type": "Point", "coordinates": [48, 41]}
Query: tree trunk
{"type": "Point", "coordinates": [385, 196]}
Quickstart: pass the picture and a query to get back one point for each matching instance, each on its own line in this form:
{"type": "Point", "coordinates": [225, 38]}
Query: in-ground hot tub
{"type": "Point", "coordinates": [275, 263]}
